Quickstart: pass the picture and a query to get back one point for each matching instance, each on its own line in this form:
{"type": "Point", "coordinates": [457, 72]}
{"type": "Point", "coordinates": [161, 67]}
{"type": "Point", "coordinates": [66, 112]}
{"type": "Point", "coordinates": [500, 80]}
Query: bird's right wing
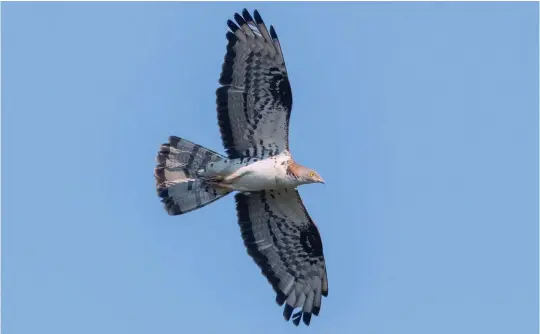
{"type": "Point", "coordinates": [285, 243]}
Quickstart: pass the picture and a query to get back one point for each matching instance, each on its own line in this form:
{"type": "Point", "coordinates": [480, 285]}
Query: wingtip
{"type": "Point", "coordinates": [247, 16]}
{"type": "Point", "coordinates": [231, 37]}
{"type": "Point", "coordinates": [280, 299]}
{"type": "Point", "coordinates": [296, 318]}
{"type": "Point", "coordinates": [306, 317]}
{"type": "Point", "coordinates": [239, 19]}
{"type": "Point", "coordinates": [232, 25]}
{"type": "Point", "coordinates": [287, 312]}
{"type": "Point", "coordinates": [273, 33]}
{"type": "Point", "coordinates": [258, 18]}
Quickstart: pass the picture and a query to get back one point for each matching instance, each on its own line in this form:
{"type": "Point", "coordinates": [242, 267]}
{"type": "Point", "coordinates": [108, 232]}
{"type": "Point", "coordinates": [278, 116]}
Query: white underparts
{"type": "Point", "coordinates": [252, 174]}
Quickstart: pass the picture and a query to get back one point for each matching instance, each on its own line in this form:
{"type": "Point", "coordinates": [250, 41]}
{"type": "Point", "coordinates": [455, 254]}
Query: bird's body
{"type": "Point", "coordinates": [252, 174]}
{"type": "Point", "coordinates": [254, 104]}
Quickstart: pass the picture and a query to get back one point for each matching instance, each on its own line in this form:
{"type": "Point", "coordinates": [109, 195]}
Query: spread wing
{"type": "Point", "coordinates": [285, 243]}
{"type": "Point", "coordinates": [255, 100]}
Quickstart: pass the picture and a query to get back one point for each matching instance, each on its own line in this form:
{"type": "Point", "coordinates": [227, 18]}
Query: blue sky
{"type": "Point", "coordinates": [421, 117]}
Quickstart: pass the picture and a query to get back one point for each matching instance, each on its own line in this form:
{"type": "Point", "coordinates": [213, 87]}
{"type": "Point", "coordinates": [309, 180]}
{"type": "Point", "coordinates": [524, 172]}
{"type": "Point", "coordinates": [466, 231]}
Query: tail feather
{"type": "Point", "coordinates": [176, 176]}
{"type": "Point", "coordinates": [180, 159]}
{"type": "Point", "coordinates": [188, 195]}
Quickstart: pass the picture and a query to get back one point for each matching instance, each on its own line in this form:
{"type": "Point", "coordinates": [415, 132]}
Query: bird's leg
{"type": "Point", "coordinates": [225, 181]}
{"type": "Point", "coordinates": [236, 175]}
{"type": "Point", "coordinates": [214, 179]}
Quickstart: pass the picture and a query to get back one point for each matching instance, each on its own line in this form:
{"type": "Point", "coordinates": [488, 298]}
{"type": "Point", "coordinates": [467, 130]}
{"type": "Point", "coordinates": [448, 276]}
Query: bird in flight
{"type": "Point", "coordinates": [254, 103]}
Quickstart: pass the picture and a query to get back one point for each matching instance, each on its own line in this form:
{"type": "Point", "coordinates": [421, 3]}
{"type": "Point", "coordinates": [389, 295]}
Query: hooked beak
{"type": "Point", "coordinates": [321, 181]}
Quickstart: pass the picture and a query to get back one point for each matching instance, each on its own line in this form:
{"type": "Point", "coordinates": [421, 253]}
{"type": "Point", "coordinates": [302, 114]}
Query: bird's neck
{"type": "Point", "coordinates": [294, 169]}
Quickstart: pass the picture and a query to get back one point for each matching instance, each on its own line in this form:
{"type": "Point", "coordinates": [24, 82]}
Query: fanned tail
{"type": "Point", "coordinates": [176, 176]}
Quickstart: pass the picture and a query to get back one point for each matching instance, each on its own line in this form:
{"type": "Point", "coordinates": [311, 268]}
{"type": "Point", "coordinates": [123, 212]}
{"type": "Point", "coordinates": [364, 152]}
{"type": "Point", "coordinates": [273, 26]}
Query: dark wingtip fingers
{"type": "Point", "coordinates": [232, 26]}
{"type": "Point", "coordinates": [258, 18]}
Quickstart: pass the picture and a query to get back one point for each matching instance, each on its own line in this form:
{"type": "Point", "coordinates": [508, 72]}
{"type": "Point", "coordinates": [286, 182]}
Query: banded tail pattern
{"type": "Point", "coordinates": [176, 176]}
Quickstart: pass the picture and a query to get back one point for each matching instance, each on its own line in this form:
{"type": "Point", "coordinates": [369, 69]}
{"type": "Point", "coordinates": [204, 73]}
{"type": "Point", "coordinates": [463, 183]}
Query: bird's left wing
{"type": "Point", "coordinates": [255, 101]}
{"type": "Point", "coordinates": [285, 243]}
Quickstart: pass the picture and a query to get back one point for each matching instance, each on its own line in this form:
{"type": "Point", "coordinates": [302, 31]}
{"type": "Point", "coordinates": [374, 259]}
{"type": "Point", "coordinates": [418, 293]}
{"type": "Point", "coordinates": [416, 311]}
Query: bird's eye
{"type": "Point", "coordinates": [311, 174]}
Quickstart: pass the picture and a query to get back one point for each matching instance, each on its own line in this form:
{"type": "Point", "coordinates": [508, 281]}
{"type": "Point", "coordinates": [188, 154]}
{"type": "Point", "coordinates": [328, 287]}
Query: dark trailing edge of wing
{"type": "Point", "coordinates": [224, 122]}
{"type": "Point", "coordinates": [222, 97]}
{"type": "Point", "coordinates": [242, 210]}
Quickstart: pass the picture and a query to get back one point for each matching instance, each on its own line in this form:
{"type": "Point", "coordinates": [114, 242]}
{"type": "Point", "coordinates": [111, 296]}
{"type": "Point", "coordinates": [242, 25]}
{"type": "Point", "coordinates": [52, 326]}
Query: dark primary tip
{"type": "Point", "coordinates": [258, 18]}
{"type": "Point", "coordinates": [287, 312]}
{"type": "Point", "coordinates": [247, 15]}
{"type": "Point", "coordinates": [239, 19]}
{"type": "Point", "coordinates": [306, 318]}
{"type": "Point", "coordinates": [296, 318]}
{"type": "Point", "coordinates": [232, 25]}
{"type": "Point", "coordinates": [231, 37]}
{"type": "Point", "coordinates": [280, 299]}
{"type": "Point", "coordinates": [273, 32]}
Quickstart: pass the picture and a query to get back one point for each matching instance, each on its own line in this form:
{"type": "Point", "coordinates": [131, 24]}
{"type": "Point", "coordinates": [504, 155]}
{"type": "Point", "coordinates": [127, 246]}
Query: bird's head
{"type": "Point", "coordinates": [308, 175]}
